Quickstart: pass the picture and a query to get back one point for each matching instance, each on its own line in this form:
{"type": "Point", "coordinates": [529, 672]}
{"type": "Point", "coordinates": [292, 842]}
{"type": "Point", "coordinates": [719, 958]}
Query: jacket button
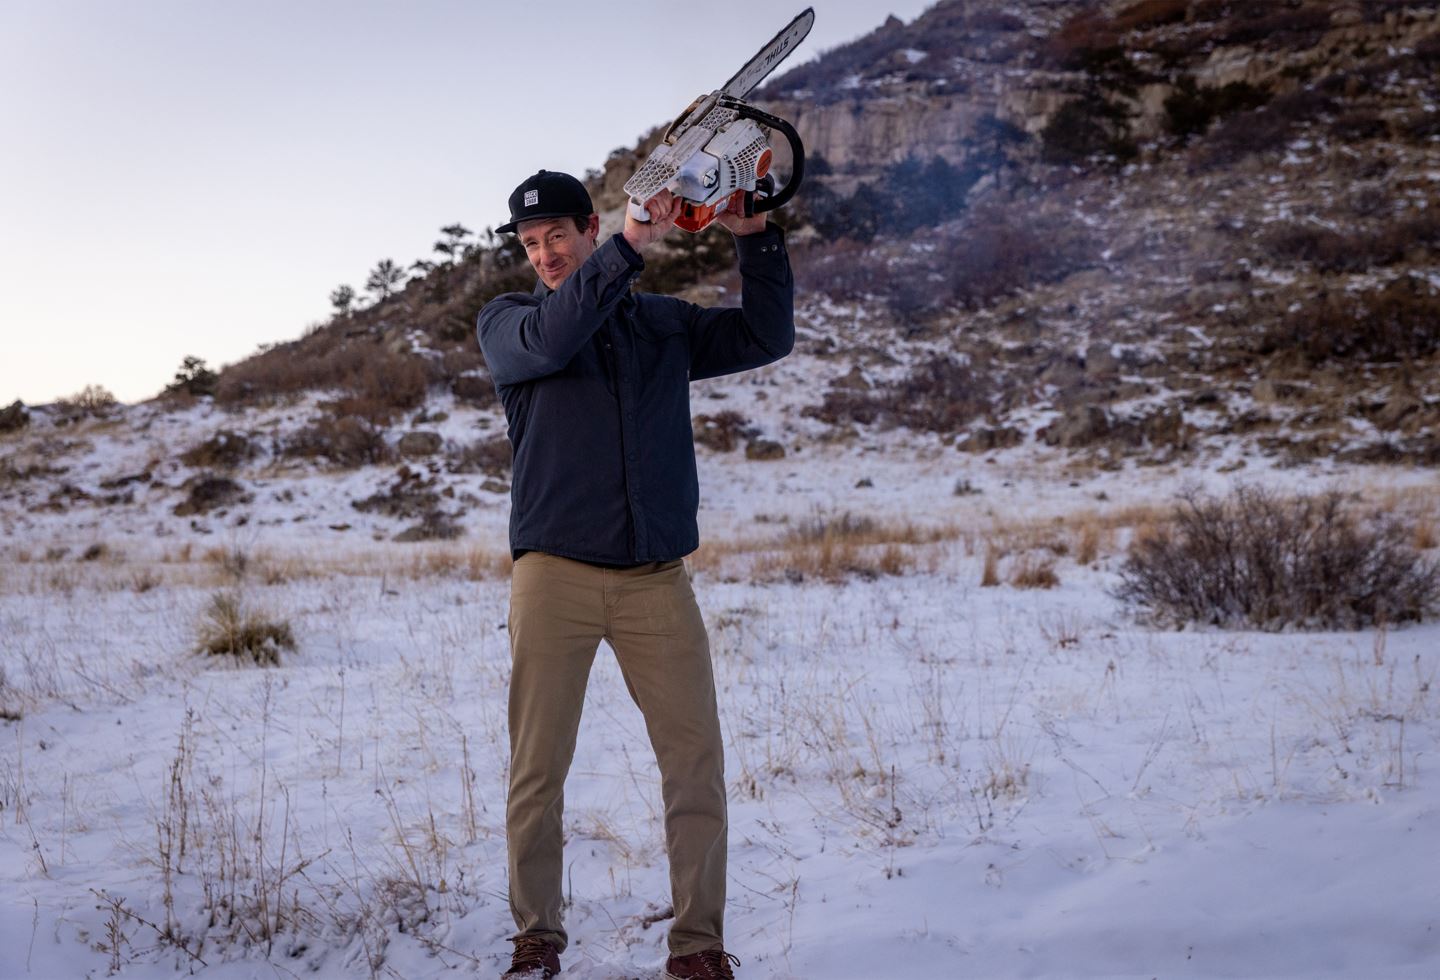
{"type": "Point", "coordinates": [631, 457]}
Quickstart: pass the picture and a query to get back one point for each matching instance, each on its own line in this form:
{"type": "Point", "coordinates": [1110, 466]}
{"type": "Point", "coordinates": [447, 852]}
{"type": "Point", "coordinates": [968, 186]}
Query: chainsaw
{"type": "Point", "coordinates": [716, 154]}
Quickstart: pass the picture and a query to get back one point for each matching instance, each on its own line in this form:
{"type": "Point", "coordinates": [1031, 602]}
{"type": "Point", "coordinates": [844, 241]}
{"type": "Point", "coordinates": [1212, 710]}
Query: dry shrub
{"type": "Point", "coordinates": [1261, 130]}
{"type": "Point", "coordinates": [375, 383]}
{"type": "Point", "coordinates": [940, 395]}
{"type": "Point", "coordinates": [990, 21]}
{"type": "Point", "coordinates": [383, 390]}
{"type": "Point", "coordinates": [1191, 108]}
{"type": "Point", "coordinates": [1146, 14]}
{"type": "Point", "coordinates": [1421, 126]}
{"type": "Point", "coordinates": [1355, 125]}
{"type": "Point", "coordinates": [209, 492]}
{"type": "Point", "coordinates": [229, 630]}
{"type": "Point", "coordinates": [1085, 128]}
{"type": "Point", "coordinates": [490, 455]}
{"type": "Point", "coordinates": [1398, 322]}
{"type": "Point", "coordinates": [346, 443]}
{"type": "Point", "coordinates": [1257, 559]}
{"type": "Point", "coordinates": [1355, 250]}
{"type": "Point", "coordinates": [474, 388]}
{"type": "Point", "coordinates": [224, 450]}
{"type": "Point", "coordinates": [844, 269]}
{"type": "Point", "coordinates": [92, 400]}
{"type": "Point", "coordinates": [991, 253]}
{"type": "Point", "coordinates": [1003, 249]}
{"type": "Point", "coordinates": [1263, 24]}
{"type": "Point", "coordinates": [14, 417]}
{"type": "Point", "coordinates": [465, 360]}
{"type": "Point", "coordinates": [723, 431]}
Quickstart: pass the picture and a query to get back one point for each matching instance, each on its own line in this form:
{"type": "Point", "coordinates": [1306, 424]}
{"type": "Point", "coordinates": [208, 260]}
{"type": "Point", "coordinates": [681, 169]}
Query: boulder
{"type": "Point", "coordinates": [1083, 425]}
{"type": "Point", "coordinates": [1165, 427]}
{"type": "Point", "coordinates": [435, 527]}
{"type": "Point", "coordinates": [1101, 364]}
{"type": "Point", "coordinates": [764, 449]}
{"type": "Point", "coordinates": [209, 492]}
{"type": "Point", "coordinates": [986, 439]}
{"type": "Point", "coordinates": [415, 444]}
{"type": "Point", "coordinates": [854, 381]}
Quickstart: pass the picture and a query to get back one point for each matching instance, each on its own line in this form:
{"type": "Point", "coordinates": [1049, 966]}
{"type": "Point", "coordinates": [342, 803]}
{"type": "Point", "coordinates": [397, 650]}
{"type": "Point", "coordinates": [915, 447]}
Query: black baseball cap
{"type": "Point", "coordinates": [548, 194]}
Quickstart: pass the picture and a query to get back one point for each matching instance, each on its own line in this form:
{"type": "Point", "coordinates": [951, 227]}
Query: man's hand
{"type": "Point", "coordinates": [664, 208]}
{"type": "Point", "coordinates": [740, 225]}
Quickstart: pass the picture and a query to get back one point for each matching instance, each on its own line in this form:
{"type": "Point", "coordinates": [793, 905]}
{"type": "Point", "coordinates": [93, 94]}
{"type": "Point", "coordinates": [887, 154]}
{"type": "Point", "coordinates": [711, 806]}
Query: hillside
{"type": "Point", "coordinates": [1190, 234]}
{"type": "Point", "coordinates": [1061, 264]}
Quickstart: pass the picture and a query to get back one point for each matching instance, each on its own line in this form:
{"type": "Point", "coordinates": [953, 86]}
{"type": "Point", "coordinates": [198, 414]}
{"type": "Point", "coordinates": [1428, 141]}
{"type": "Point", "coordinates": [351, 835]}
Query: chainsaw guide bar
{"type": "Point", "coordinates": [716, 154]}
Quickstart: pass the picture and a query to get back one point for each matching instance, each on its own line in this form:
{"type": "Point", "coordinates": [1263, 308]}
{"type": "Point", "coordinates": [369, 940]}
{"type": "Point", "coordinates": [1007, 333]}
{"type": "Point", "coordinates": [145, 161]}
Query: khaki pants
{"type": "Point", "coordinates": [559, 612]}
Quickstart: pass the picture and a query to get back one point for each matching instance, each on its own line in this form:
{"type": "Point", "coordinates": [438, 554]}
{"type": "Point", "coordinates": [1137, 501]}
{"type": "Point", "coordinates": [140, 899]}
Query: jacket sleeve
{"type": "Point", "coordinates": [523, 341]}
{"type": "Point", "coordinates": [724, 340]}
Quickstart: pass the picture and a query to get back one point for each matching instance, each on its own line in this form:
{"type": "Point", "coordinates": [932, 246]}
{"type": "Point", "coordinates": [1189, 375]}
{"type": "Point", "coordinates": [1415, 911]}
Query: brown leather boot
{"type": "Point", "coordinates": [708, 964]}
{"type": "Point", "coordinates": [533, 959]}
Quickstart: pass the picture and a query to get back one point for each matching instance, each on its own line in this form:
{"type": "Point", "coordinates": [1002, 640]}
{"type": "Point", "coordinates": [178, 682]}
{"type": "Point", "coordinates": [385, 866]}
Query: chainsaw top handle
{"type": "Point", "coordinates": [797, 151]}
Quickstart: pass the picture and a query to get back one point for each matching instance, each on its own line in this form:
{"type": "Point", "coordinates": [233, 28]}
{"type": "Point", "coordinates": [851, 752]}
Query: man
{"type": "Point", "coordinates": [595, 384]}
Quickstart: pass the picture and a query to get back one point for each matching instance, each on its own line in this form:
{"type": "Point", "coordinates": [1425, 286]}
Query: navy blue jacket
{"type": "Point", "coordinates": [595, 382]}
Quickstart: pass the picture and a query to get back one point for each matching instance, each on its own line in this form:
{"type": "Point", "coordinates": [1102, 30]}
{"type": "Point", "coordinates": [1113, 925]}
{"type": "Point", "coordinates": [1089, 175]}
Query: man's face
{"type": "Point", "coordinates": [556, 248]}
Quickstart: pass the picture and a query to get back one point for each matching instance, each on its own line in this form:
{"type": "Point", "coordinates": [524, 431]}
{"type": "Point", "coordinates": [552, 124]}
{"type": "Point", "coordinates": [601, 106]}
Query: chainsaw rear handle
{"type": "Point", "coordinates": [761, 205]}
{"type": "Point", "coordinates": [797, 153]}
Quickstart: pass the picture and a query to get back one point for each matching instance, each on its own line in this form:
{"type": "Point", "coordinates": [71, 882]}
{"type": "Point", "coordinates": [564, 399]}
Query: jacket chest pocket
{"type": "Point", "coordinates": [660, 342]}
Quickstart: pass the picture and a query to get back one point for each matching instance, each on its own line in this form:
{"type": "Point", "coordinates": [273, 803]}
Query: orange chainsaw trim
{"type": "Point", "coordinates": [696, 217]}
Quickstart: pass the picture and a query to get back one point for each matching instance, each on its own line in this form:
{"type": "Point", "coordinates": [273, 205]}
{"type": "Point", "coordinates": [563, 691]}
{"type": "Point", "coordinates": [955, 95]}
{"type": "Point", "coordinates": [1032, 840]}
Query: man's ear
{"type": "Point", "coordinates": [593, 229]}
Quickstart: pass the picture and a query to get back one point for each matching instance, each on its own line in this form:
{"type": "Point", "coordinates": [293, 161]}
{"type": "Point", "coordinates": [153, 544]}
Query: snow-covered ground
{"type": "Point", "coordinates": [928, 778]}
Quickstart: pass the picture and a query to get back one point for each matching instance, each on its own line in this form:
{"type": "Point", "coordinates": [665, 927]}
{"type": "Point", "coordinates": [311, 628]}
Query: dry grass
{"type": "Point", "coordinates": [838, 547]}
{"type": "Point", "coordinates": [227, 629]}
{"type": "Point", "coordinates": [829, 548]}
{"type": "Point", "coordinates": [471, 564]}
{"type": "Point", "coordinates": [1425, 536]}
{"type": "Point", "coordinates": [1089, 547]}
{"type": "Point", "coordinates": [1031, 572]}
{"type": "Point", "coordinates": [990, 575]}
{"type": "Point", "coordinates": [1032, 548]}
{"type": "Point", "coordinates": [64, 569]}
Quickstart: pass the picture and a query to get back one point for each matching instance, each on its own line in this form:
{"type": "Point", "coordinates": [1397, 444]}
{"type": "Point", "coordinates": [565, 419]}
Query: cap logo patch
{"type": "Point", "coordinates": [532, 198]}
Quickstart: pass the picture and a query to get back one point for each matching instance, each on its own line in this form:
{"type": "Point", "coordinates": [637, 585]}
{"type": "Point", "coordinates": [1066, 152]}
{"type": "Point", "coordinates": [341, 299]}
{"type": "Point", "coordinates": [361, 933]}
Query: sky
{"type": "Point", "coordinates": [194, 177]}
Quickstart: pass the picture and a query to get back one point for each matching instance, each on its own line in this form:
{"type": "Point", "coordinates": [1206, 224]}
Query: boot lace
{"type": "Point", "coordinates": [530, 952]}
{"type": "Point", "coordinates": [718, 962]}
